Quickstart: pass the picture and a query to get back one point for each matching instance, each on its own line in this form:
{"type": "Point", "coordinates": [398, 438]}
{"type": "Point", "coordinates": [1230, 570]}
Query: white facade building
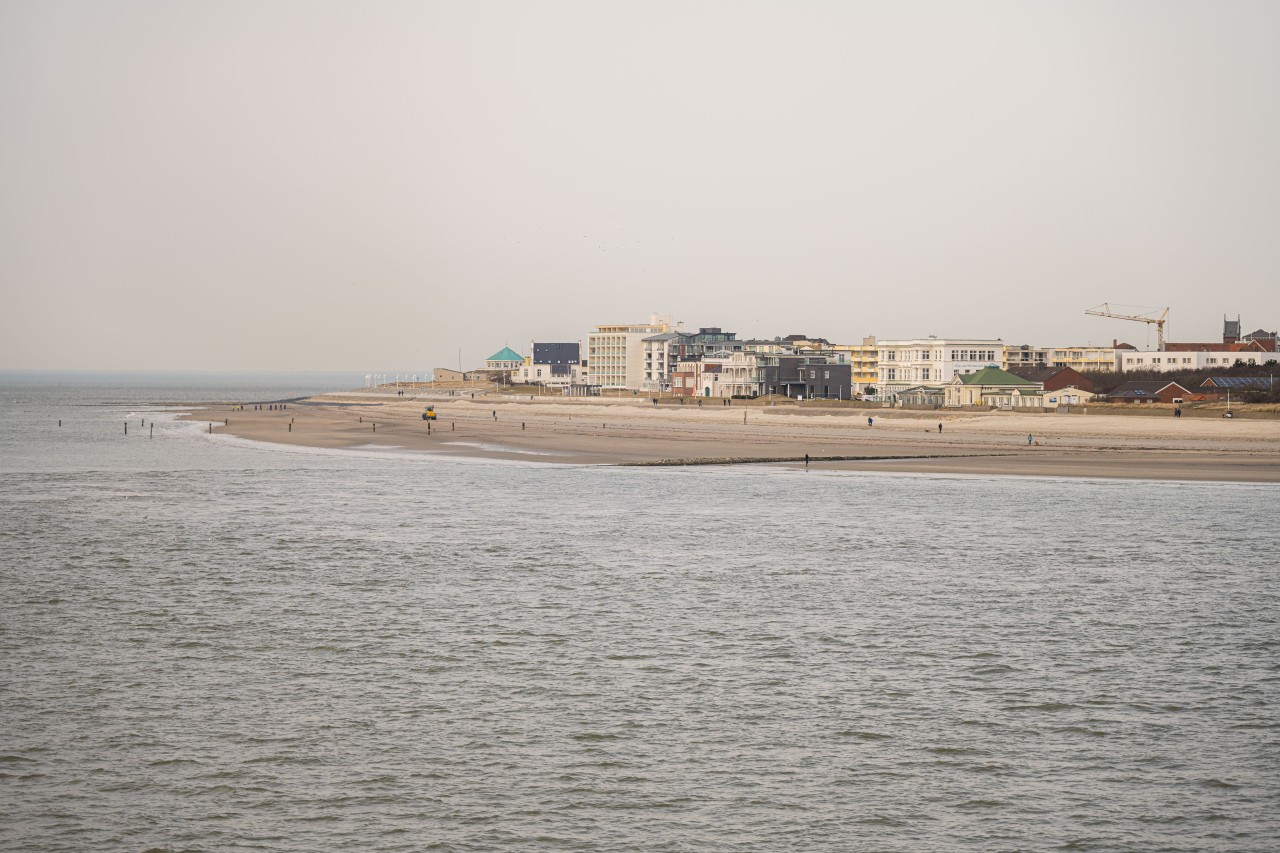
{"type": "Point", "coordinates": [551, 375]}
{"type": "Point", "coordinates": [739, 373]}
{"type": "Point", "coordinates": [1194, 360]}
{"type": "Point", "coordinates": [1079, 358]}
{"type": "Point", "coordinates": [931, 362]}
{"type": "Point", "coordinates": [615, 353]}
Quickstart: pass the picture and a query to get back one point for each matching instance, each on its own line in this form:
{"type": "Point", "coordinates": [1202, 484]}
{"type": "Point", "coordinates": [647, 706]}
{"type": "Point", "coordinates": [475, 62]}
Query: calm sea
{"type": "Point", "coordinates": [210, 645]}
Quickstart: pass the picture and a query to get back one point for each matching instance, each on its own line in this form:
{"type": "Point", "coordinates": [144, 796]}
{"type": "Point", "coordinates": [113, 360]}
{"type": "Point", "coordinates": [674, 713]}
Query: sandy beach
{"type": "Point", "coordinates": [616, 431]}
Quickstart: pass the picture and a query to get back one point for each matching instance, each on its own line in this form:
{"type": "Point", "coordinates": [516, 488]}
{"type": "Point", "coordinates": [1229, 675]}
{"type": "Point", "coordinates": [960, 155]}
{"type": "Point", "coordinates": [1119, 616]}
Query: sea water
{"type": "Point", "coordinates": [211, 644]}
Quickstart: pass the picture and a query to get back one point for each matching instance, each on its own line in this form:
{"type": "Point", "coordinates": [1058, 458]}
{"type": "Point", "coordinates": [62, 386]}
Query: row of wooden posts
{"type": "Point", "coordinates": [227, 422]}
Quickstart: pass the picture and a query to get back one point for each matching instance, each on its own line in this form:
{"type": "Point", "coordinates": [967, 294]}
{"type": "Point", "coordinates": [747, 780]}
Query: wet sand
{"type": "Point", "coordinates": [612, 431]}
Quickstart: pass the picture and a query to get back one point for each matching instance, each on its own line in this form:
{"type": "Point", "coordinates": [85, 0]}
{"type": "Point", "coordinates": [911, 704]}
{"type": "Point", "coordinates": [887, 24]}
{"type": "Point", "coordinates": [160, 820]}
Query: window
{"type": "Point", "coordinates": [924, 374]}
{"type": "Point", "coordinates": [891, 374]}
{"type": "Point", "coordinates": [826, 374]}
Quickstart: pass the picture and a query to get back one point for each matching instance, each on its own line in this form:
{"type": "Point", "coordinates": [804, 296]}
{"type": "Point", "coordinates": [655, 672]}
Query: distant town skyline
{"type": "Point", "coordinates": [342, 186]}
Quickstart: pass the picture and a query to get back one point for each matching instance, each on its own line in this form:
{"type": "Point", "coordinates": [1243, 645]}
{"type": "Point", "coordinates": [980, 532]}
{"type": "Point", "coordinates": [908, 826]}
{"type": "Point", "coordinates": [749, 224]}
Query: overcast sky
{"type": "Point", "coordinates": [374, 185]}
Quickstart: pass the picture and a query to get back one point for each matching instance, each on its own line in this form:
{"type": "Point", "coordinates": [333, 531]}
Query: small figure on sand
{"type": "Point", "coordinates": [1028, 439]}
{"type": "Point", "coordinates": [939, 429]}
{"type": "Point", "coordinates": [495, 414]}
{"type": "Point", "coordinates": [806, 460]}
{"type": "Point", "coordinates": [870, 423]}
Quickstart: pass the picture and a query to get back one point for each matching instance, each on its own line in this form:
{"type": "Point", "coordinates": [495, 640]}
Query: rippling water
{"type": "Point", "coordinates": [211, 645]}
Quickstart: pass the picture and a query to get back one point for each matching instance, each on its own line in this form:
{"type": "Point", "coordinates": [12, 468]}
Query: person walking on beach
{"type": "Point", "coordinates": [939, 429]}
{"type": "Point", "coordinates": [806, 460]}
{"type": "Point", "coordinates": [1028, 439]}
{"type": "Point", "coordinates": [869, 422]}
{"type": "Point", "coordinates": [495, 414]}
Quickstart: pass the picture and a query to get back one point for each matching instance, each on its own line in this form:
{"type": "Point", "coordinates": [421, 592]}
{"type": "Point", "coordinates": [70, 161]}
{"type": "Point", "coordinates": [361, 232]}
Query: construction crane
{"type": "Point", "coordinates": [1104, 310]}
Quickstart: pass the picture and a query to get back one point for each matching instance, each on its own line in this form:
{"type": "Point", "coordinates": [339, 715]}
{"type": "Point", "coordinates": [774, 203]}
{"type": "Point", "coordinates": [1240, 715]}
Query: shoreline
{"type": "Point", "coordinates": [634, 433]}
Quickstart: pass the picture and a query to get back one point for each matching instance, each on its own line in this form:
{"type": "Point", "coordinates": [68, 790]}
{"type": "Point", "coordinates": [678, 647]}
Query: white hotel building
{"type": "Point", "coordinates": [615, 353]}
{"type": "Point", "coordinates": [930, 362]}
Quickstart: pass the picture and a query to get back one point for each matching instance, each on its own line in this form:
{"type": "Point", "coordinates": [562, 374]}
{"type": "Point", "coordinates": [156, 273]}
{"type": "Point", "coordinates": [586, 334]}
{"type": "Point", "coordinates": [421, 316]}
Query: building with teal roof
{"type": "Point", "coordinates": [504, 359]}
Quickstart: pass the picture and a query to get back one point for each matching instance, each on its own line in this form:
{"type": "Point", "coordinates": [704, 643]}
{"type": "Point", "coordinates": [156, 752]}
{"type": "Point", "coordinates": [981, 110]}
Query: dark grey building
{"type": "Point", "coordinates": [807, 376]}
{"type": "Point", "coordinates": [560, 357]}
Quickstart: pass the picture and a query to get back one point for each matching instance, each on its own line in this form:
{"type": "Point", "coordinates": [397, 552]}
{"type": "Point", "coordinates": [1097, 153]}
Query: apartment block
{"type": "Point", "coordinates": [664, 351]}
{"type": "Point", "coordinates": [1080, 358]}
{"type": "Point", "coordinates": [930, 362]}
{"type": "Point", "coordinates": [615, 352]}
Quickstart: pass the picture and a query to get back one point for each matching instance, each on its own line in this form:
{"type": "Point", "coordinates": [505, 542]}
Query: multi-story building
{"type": "Point", "coordinates": [731, 374]}
{"type": "Point", "coordinates": [615, 353]}
{"type": "Point", "coordinates": [860, 359]}
{"type": "Point", "coordinates": [687, 377]}
{"type": "Point", "coordinates": [1080, 358]}
{"type": "Point", "coordinates": [662, 352]}
{"type": "Point", "coordinates": [1257, 347]}
{"type": "Point", "coordinates": [553, 364]}
{"type": "Point", "coordinates": [808, 377]}
{"type": "Point", "coordinates": [752, 374]}
{"type": "Point", "coordinates": [1196, 356]}
{"type": "Point", "coordinates": [930, 362]}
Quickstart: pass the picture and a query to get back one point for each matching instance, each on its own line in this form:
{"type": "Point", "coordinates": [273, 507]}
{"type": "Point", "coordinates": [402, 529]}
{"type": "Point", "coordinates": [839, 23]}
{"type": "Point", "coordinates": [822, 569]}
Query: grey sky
{"type": "Point", "coordinates": [374, 185]}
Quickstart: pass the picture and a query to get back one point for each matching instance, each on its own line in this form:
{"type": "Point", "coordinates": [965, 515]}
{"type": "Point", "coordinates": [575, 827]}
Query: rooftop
{"type": "Point", "coordinates": [1250, 383]}
{"type": "Point", "coordinates": [1144, 389]}
{"type": "Point", "coordinates": [505, 354]}
{"type": "Point", "coordinates": [992, 375]}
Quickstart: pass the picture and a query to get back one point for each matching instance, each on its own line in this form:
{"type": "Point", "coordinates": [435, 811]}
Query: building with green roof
{"type": "Point", "coordinates": [991, 386]}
